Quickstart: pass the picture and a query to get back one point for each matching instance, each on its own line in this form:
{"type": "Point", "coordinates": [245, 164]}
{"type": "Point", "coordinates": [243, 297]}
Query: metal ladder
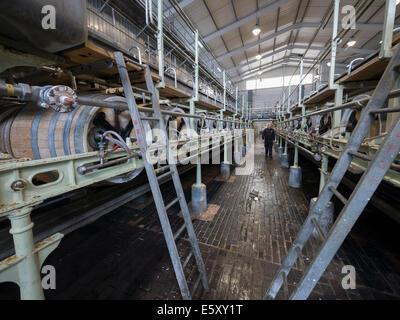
{"type": "Point", "coordinates": [154, 181]}
{"type": "Point", "coordinates": [378, 166]}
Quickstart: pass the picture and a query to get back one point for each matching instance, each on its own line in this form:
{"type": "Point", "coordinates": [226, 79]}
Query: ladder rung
{"type": "Point", "coordinates": [319, 230]}
{"type": "Point", "coordinates": [178, 233]}
{"type": "Point", "coordinates": [285, 285]}
{"type": "Point", "coordinates": [187, 259]}
{"type": "Point", "coordinates": [360, 155]}
{"type": "Point", "coordinates": [338, 195]}
{"type": "Point", "coordinates": [301, 258]}
{"type": "Point", "coordinates": [385, 110]}
{"type": "Point", "coordinates": [161, 169]}
{"type": "Point", "coordinates": [150, 118]}
{"type": "Point", "coordinates": [169, 205]}
{"type": "Point", "coordinates": [369, 158]}
{"type": "Point", "coordinates": [164, 175]}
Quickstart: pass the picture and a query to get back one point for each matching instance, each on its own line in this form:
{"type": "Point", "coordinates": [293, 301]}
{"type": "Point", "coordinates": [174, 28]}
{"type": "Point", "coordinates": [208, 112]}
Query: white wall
{"type": "Point", "coordinates": [269, 97]}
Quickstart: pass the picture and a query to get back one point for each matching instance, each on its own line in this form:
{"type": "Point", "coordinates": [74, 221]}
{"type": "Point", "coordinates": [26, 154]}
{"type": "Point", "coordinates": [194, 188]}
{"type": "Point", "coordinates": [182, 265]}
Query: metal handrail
{"type": "Point", "coordinates": [139, 54]}
{"type": "Point", "coordinates": [174, 70]}
{"type": "Point", "coordinates": [350, 65]}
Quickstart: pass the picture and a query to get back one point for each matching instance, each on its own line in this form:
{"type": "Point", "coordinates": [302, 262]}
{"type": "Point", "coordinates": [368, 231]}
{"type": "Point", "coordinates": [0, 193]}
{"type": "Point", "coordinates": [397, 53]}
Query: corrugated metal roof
{"type": "Point", "coordinates": [226, 26]}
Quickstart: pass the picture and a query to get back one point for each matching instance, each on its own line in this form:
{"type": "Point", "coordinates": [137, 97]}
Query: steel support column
{"type": "Point", "coordinates": [160, 43]}
{"type": "Point", "coordinates": [337, 115]}
{"type": "Point", "coordinates": [387, 34]}
{"type": "Point", "coordinates": [24, 267]}
{"type": "Point", "coordinates": [336, 12]}
{"type": "Point", "coordinates": [199, 191]}
{"type": "Point", "coordinates": [324, 172]}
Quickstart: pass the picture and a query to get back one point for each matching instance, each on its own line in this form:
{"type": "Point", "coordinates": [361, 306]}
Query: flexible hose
{"type": "Point", "coordinates": [119, 141]}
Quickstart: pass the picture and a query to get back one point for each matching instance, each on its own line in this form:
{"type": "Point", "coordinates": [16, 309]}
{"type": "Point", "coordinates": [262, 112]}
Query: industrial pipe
{"type": "Point", "coordinates": [123, 106]}
{"type": "Point", "coordinates": [353, 104]}
{"type": "Point", "coordinates": [314, 155]}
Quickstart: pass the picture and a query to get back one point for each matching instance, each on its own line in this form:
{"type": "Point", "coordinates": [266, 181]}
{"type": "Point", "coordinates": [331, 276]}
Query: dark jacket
{"type": "Point", "coordinates": [268, 135]}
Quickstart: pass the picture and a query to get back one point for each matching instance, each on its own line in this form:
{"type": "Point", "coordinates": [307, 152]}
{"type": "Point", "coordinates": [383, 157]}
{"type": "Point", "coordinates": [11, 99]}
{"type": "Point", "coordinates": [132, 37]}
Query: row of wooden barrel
{"type": "Point", "coordinates": [27, 131]}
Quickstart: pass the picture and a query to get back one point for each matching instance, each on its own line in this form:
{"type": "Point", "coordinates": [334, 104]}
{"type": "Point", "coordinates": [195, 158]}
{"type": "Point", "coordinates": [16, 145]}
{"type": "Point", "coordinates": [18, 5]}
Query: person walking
{"type": "Point", "coordinates": [268, 136]}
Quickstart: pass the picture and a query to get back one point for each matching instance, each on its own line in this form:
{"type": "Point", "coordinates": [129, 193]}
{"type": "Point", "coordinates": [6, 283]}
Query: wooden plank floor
{"type": "Point", "coordinates": [123, 254]}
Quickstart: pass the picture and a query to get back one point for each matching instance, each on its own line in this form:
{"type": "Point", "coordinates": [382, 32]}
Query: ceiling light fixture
{"type": "Point", "coordinates": [351, 43]}
{"type": "Point", "coordinates": [328, 64]}
{"type": "Point", "coordinates": [260, 72]}
{"type": "Point", "coordinates": [258, 57]}
{"type": "Point", "coordinates": [256, 31]}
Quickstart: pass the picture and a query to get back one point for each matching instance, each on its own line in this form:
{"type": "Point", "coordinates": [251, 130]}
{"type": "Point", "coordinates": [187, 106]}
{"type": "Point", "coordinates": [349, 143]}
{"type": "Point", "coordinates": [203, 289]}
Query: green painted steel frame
{"type": "Point", "coordinates": [69, 179]}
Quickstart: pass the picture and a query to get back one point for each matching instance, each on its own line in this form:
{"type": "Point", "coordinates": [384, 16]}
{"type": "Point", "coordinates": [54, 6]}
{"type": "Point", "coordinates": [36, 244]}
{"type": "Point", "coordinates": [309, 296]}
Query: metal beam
{"type": "Point", "coordinates": [271, 53]}
{"type": "Point", "coordinates": [182, 4]}
{"type": "Point", "coordinates": [289, 28]}
{"type": "Point", "coordinates": [244, 20]}
{"type": "Point", "coordinates": [185, 3]}
{"type": "Point", "coordinates": [277, 63]}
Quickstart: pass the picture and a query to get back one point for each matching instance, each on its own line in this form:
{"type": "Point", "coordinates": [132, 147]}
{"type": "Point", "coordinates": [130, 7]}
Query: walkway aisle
{"type": "Point", "coordinates": [248, 239]}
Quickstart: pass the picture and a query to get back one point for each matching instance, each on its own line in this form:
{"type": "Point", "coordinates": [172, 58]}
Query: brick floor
{"type": "Point", "coordinates": [123, 255]}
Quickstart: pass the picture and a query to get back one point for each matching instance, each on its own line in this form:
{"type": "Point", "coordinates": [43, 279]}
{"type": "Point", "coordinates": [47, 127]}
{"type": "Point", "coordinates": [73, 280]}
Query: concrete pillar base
{"type": "Point", "coordinates": [280, 152]}
{"type": "Point", "coordinates": [244, 151]}
{"type": "Point", "coordinates": [285, 160]}
{"type": "Point", "coordinates": [199, 198]}
{"type": "Point", "coordinates": [325, 219]}
{"type": "Point", "coordinates": [225, 171]}
{"type": "Point", "coordinates": [276, 146]}
{"type": "Point", "coordinates": [295, 177]}
{"type": "Point", "coordinates": [237, 157]}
